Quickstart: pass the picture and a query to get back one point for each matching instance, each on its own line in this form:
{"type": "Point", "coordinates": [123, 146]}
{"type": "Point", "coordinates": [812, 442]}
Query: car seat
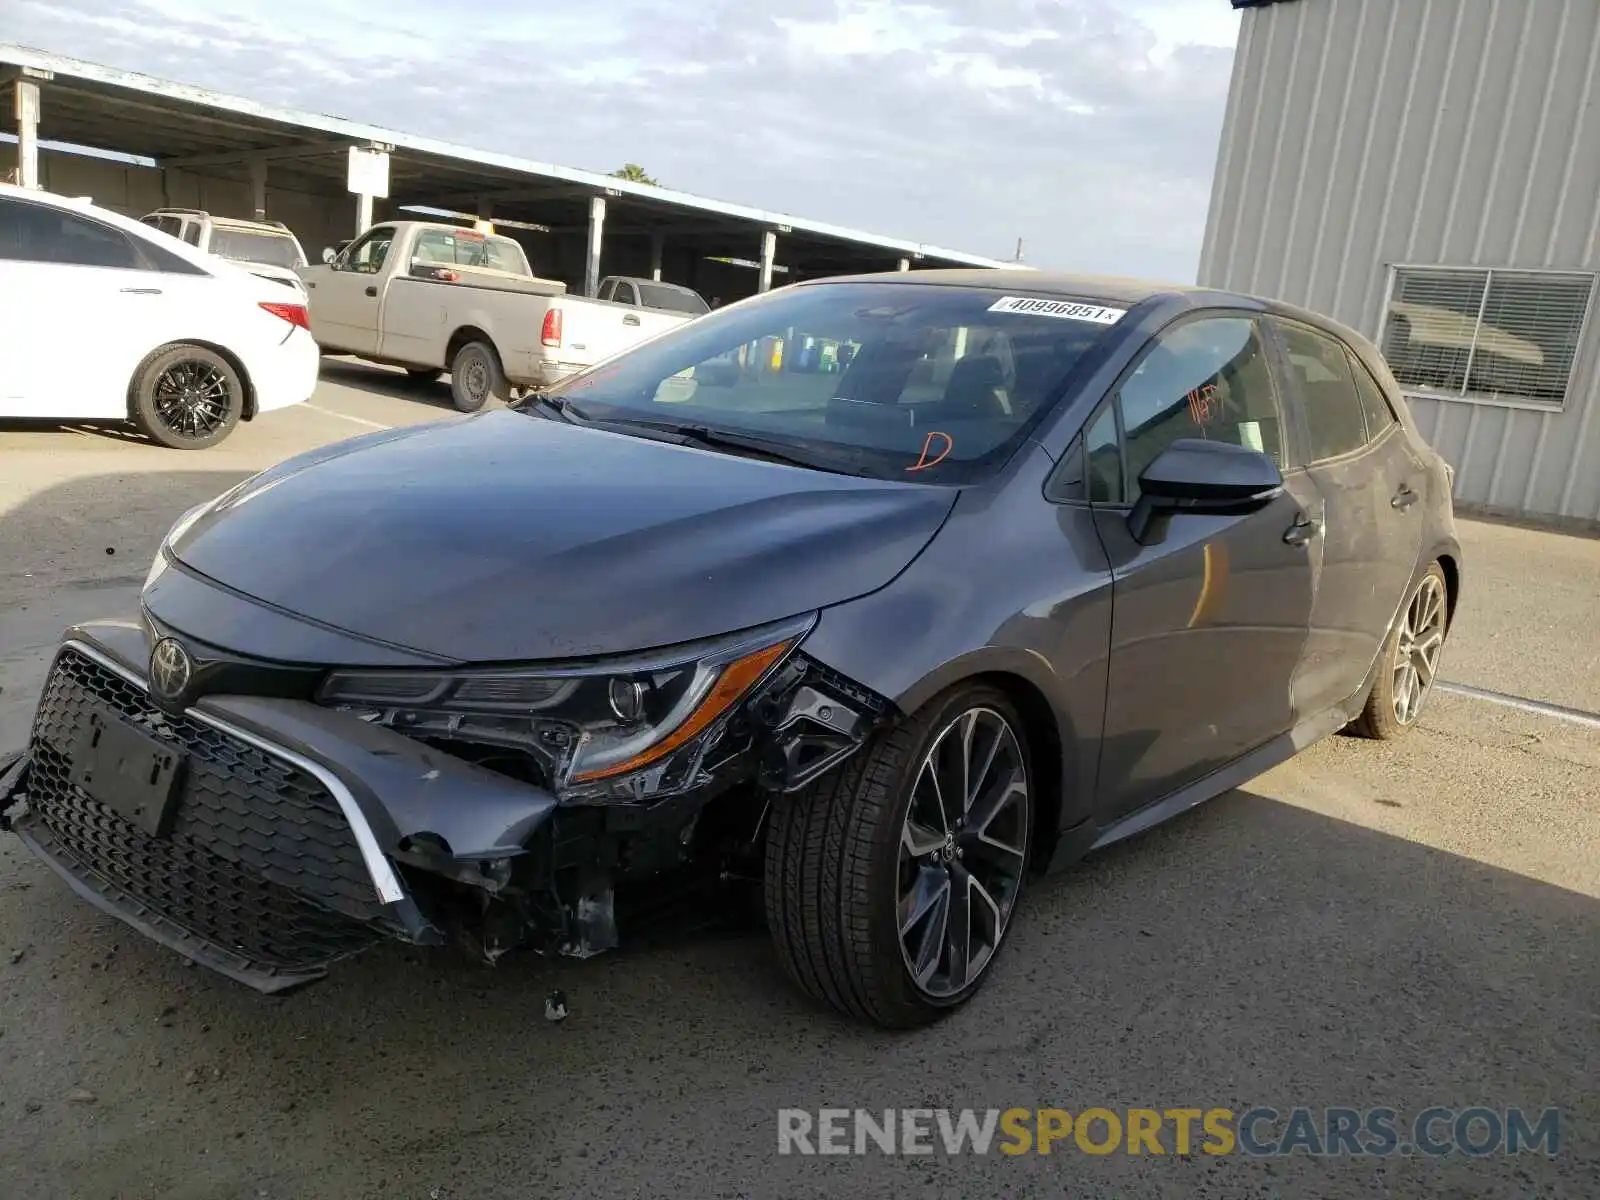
{"type": "Point", "coordinates": [977, 390]}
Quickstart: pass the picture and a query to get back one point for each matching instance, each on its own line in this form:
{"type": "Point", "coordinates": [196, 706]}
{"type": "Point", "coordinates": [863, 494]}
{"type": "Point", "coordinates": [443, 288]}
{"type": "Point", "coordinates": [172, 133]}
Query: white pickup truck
{"type": "Point", "coordinates": [434, 297]}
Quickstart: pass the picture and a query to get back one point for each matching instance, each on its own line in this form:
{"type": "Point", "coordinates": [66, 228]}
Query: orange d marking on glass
{"type": "Point", "coordinates": [923, 461]}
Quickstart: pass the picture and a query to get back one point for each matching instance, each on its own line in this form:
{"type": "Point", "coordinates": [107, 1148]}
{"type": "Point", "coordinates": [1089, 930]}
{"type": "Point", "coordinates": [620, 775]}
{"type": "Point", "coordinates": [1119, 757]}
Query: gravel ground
{"type": "Point", "coordinates": [1364, 926]}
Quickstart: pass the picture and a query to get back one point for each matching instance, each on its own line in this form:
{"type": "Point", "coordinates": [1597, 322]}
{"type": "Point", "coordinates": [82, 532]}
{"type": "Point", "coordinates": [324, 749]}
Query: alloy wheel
{"type": "Point", "coordinates": [1416, 655]}
{"type": "Point", "coordinates": [192, 398]}
{"type": "Point", "coordinates": [963, 852]}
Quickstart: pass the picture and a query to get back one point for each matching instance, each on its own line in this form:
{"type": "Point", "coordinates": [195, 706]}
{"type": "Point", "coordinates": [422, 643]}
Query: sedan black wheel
{"type": "Point", "coordinates": [187, 397]}
{"type": "Point", "coordinates": [891, 884]}
{"type": "Point", "coordinates": [1410, 661]}
{"type": "Point", "coordinates": [963, 851]}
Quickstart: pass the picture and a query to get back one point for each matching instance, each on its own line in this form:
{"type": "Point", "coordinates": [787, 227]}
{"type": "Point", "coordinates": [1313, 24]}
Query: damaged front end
{"type": "Point", "coordinates": [270, 835]}
{"type": "Point", "coordinates": [660, 768]}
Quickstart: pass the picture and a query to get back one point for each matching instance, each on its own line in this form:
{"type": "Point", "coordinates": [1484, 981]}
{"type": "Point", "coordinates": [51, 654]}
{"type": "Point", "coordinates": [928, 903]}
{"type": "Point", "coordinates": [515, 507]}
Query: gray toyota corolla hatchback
{"type": "Point", "coordinates": [887, 592]}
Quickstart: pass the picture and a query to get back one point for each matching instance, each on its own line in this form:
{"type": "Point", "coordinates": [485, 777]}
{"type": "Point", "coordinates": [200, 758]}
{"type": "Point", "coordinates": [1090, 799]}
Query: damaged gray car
{"type": "Point", "coordinates": [882, 595]}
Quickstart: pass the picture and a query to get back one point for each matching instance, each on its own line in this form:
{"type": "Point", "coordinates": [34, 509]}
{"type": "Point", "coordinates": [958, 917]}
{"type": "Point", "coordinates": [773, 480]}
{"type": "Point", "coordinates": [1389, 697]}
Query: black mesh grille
{"type": "Point", "coordinates": [259, 850]}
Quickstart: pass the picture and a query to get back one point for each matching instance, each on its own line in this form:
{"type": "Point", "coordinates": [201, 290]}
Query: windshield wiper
{"type": "Point", "coordinates": [707, 438]}
{"type": "Point", "coordinates": [560, 406]}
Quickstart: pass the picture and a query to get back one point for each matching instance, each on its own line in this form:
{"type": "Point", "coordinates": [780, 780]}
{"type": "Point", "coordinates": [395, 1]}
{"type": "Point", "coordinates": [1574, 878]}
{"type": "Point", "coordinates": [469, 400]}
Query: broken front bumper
{"type": "Point", "coordinates": [262, 837]}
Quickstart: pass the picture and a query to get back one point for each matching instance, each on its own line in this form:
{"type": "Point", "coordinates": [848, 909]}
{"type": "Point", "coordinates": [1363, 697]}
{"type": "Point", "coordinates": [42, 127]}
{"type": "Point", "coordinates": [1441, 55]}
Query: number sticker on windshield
{"type": "Point", "coordinates": [1066, 310]}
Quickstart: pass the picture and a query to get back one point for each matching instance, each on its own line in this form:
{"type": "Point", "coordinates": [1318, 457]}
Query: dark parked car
{"type": "Point", "coordinates": [1002, 568]}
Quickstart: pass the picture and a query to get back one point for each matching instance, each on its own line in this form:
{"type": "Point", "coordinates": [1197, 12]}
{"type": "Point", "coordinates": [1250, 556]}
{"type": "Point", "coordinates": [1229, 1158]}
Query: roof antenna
{"type": "Point", "coordinates": [1018, 258]}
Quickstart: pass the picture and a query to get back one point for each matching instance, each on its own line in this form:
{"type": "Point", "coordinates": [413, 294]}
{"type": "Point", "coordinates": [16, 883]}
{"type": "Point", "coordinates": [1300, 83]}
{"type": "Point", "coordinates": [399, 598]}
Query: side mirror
{"type": "Point", "coordinates": [1197, 476]}
{"type": "Point", "coordinates": [329, 254]}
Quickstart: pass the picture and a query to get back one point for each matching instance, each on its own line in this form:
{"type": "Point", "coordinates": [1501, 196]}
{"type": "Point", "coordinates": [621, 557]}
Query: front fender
{"type": "Point", "coordinates": [1033, 605]}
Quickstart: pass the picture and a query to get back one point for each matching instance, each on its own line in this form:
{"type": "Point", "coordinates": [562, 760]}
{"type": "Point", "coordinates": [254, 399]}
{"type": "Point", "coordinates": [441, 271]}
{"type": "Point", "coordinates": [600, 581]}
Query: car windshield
{"type": "Point", "coordinates": [256, 246]}
{"type": "Point", "coordinates": [924, 383]}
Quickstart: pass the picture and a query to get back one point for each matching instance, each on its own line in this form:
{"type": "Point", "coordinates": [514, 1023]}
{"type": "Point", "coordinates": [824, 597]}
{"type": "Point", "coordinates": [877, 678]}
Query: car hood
{"type": "Point", "coordinates": [508, 537]}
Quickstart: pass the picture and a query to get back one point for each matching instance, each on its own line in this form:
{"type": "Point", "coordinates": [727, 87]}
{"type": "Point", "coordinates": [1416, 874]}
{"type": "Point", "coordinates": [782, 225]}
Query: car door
{"type": "Point", "coordinates": [1209, 612]}
{"type": "Point", "coordinates": [1371, 483]}
{"type": "Point", "coordinates": [345, 296]}
{"type": "Point", "coordinates": [80, 305]}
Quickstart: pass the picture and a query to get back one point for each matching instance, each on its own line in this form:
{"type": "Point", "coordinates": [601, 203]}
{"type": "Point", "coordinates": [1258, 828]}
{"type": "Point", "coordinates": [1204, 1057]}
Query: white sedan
{"type": "Point", "coordinates": [102, 318]}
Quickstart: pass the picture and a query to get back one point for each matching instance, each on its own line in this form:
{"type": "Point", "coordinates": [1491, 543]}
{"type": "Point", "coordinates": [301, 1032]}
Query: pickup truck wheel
{"type": "Point", "coordinates": [476, 376]}
{"type": "Point", "coordinates": [186, 397]}
{"type": "Point", "coordinates": [890, 884]}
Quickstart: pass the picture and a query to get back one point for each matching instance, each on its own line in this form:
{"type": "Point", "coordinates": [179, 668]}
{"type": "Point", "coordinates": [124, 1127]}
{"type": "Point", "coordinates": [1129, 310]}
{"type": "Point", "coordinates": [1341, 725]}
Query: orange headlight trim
{"type": "Point", "coordinates": [736, 679]}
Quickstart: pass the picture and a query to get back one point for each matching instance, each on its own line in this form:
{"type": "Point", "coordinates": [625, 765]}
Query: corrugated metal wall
{"type": "Point", "coordinates": [1365, 133]}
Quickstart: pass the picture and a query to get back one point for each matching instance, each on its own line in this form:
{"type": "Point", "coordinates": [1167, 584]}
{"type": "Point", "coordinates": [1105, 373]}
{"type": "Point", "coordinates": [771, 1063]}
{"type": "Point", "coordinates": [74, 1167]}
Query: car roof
{"type": "Point", "coordinates": [1121, 290]}
{"type": "Point", "coordinates": [208, 263]}
{"type": "Point", "coordinates": [1116, 288]}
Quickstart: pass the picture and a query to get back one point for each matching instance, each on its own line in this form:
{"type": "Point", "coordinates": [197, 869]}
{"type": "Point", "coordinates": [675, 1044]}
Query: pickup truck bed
{"type": "Point", "coordinates": [432, 297]}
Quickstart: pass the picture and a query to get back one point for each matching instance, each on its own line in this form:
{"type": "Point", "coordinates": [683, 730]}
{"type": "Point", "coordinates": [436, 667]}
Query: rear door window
{"type": "Point", "coordinates": [1374, 405]}
{"type": "Point", "coordinates": [625, 294]}
{"type": "Point", "coordinates": [1335, 421]}
{"type": "Point", "coordinates": [44, 234]}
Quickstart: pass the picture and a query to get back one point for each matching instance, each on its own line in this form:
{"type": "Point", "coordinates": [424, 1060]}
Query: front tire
{"type": "Point", "coordinates": [891, 883]}
{"type": "Point", "coordinates": [476, 376]}
{"type": "Point", "coordinates": [186, 397]}
{"type": "Point", "coordinates": [1410, 662]}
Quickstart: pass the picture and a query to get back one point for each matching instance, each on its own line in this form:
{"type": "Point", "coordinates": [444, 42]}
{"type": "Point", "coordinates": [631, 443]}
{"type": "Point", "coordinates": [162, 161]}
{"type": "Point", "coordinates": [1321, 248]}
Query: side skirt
{"type": "Point", "coordinates": [1085, 838]}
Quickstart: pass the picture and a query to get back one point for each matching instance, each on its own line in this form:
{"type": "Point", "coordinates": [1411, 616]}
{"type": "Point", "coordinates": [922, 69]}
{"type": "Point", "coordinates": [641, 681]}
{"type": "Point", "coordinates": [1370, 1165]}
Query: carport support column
{"type": "Point", "coordinates": [903, 265]}
{"type": "Point", "coordinates": [363, 214]}
{"type": "Point", "coordinates": [769, 252]}
{"type": "Point", "coordinates": [258, 187]}
{"type": "Point", "coordinates": [657, 248]}
{"type": "Point", "coordinates": [597, 224]}
{"type": "Point", "coordinates": [27, 114]}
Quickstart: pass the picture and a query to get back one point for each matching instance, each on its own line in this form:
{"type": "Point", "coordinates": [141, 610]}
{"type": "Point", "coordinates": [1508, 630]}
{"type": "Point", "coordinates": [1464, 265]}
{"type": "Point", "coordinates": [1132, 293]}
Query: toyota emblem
{"type": "Point", "coordinates": [170, 669]}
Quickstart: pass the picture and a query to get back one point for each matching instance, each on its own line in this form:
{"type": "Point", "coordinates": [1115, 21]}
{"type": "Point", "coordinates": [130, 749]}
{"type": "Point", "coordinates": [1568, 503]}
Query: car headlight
{"type": "Point", "coordinates": [618, 730]}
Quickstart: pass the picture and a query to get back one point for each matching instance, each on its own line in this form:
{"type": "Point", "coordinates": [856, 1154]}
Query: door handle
{"type": "Point", "coordinates": [372, 290]}
{"type": "Point", "coordinates": [1404, 498]}
{"type": "Point", "coordinates": [1301, 532]}
{"type": "Point", "coordinates": [142, 291]}
{"type": "Point", "coordinates": [630, 319]}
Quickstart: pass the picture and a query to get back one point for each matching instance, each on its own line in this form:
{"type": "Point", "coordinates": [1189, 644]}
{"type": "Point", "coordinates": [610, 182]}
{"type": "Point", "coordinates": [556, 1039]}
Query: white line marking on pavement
{"type": "Point", "coordinates": [1559, 712]}
{"type": "Point", "coordinates": [346, 416]}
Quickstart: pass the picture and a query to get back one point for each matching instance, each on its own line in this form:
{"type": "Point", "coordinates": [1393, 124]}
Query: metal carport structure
{"type": "Point", "coordinates": [576, 224]}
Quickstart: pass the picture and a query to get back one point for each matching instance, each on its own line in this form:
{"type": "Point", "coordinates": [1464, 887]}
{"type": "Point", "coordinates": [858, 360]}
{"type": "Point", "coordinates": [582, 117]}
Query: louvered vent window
{"type": "Point", "coordinates": [1486, 335]}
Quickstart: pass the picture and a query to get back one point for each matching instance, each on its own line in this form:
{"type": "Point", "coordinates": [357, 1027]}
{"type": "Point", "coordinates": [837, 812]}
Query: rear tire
{"type": "Point", "coordinates": [476, 377]}
{"type": "Point", "coordinates": [851, 858]}
{"type": "Point", "coordinates": [186, 397]}
{"type": "Point", "coordinates": [1409, 662]}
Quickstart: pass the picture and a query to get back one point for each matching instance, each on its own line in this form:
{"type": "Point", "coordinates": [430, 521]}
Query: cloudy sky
{"type": "Point", "coordinates": [1088, 128]}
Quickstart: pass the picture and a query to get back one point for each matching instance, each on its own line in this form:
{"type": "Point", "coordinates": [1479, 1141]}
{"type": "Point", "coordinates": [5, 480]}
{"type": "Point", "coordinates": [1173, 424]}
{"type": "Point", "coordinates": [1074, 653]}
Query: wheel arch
{"type": "Point", "coordinates": [465, 334]}
{"type": "Point", "coordinates": [1447, 560]}
{"type": "Point", "coordinates": [1026, 681]}
{"type": "Point", "coordinates": [247, 409]}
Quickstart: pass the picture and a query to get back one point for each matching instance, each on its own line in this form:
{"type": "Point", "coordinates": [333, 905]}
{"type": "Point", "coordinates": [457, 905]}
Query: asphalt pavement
{"type": "Point", "coordinates": [1402, 926]}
